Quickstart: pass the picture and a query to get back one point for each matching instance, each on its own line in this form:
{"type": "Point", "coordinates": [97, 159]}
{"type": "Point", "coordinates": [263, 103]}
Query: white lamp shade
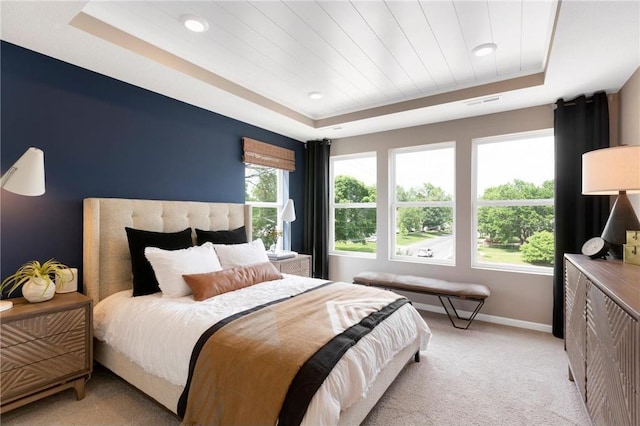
{"type": "Point", "coordinates": [26, 176]}
{"type": "Point", "coordinates": [289, 211]}
{"type": "Point", "coordinates": [610, 170]}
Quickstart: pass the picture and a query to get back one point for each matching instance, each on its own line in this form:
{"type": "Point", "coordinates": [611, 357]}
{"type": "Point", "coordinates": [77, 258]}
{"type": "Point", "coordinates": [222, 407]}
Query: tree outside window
{"type": "Point", "coordinates": [423, 203]}
{"type": "Point", "coordinates": [263, 191]}
{"type": "Point", "coordinates": [353, 203]}
{"type": "Point", "coordinates": [514, 202]}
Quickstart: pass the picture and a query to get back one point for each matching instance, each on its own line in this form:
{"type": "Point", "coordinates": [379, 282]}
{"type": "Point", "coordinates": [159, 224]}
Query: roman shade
{"type": "Point", "coordinates": [264, 154]}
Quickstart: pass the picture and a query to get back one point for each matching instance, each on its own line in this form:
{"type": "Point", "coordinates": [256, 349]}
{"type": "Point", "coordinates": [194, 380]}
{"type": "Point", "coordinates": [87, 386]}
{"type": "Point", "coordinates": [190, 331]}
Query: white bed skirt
{"type": "Point", "coordinates": [168, 394]}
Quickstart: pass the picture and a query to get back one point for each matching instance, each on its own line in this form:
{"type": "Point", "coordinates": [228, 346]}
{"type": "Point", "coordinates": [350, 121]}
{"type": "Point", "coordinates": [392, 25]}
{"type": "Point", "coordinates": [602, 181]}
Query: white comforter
{"type": "Point", "coordinates": [159, 333]}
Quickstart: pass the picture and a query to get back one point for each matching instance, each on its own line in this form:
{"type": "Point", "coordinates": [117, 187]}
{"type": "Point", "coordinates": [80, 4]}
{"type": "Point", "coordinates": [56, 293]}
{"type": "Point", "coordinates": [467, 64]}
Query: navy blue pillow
{"type": "Point", "coordinates": [144, 280]}
{"type": "Point", "coordinates": [236, 236]}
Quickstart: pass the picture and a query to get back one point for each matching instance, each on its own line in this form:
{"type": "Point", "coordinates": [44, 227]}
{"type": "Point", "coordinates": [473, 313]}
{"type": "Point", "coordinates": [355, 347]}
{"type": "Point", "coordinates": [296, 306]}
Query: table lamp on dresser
{"type": "Point", "coordinates": [611, 171]}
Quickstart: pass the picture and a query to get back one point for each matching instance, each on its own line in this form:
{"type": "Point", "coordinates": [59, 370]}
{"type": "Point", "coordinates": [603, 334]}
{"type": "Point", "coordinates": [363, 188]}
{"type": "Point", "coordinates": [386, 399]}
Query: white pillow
{"type": "Point", "coordinates": [233, 255]}
{"type": "Point", "coordinates": [170, 265]}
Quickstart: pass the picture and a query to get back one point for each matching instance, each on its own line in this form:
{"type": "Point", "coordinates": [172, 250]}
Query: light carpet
{"type": "Point", "coordinates": [486, 375]}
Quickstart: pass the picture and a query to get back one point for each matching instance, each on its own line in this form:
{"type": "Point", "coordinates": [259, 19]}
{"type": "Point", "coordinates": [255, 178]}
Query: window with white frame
{"type": "Point", "coordinates": [264, 192]}
{"type": "Point", "coordinates": [353, 203]}
{"type": "Point", "coordinates": [513, 202]}
{"type": "Point", "coordinates": [423, 203]}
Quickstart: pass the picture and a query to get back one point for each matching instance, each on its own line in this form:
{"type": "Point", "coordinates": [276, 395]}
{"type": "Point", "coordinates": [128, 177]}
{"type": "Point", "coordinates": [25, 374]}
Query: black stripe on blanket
{"type": "Point", "coordinates": [314, 372]}
{"type": "Point", "coordinates": [182, 402]}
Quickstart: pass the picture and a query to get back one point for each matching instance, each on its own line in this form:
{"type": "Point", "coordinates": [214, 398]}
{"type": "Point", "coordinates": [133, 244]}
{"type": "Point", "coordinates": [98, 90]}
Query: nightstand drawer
{"type": "Point", "coordinates": [34, 351]}
{"type": "Point", "coordinates": [20, 331]}
{"type": "Point", "coordinates": [45, 348]}
{"type": "Point", "coordinates": [47, 372]}
{"type": "Point", "coordinates": [299, 265]}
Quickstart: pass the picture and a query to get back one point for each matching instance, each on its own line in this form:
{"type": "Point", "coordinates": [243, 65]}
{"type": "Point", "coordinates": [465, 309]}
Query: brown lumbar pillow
{"type": "Point", "coordinates": [214, 283]}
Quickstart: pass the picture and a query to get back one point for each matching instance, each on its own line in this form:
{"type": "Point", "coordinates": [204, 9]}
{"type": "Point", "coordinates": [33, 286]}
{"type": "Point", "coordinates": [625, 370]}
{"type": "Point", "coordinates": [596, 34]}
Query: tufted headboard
{"type": "Point", "coordinates": [106, 258]}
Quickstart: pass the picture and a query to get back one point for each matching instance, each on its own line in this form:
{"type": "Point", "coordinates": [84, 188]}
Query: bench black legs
{"type": "Point", "coordinates": [464, 321]}
{"type": "Point", "coordinates": [443, 289]}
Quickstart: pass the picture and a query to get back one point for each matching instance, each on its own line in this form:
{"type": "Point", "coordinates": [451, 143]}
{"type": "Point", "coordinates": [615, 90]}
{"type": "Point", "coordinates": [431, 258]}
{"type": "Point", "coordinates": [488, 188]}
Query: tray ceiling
{"type": "Point", "coordinates": [378, 64]}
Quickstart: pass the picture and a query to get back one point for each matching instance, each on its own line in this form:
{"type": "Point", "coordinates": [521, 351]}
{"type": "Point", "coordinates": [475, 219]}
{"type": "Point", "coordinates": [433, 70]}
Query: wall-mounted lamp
{"type": "Point", "coordinates": [611, 171]}
{"type": "Point", "coordinates": [288, 216]}
{"type": "Point", "coordinates": [26, 176]}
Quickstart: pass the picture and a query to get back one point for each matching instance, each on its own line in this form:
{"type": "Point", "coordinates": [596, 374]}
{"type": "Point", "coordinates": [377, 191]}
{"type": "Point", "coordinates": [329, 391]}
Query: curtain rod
{"type": "Point", "coordinates": [587, 100]}
{"type": "Point", "coordinates": [572, 103]}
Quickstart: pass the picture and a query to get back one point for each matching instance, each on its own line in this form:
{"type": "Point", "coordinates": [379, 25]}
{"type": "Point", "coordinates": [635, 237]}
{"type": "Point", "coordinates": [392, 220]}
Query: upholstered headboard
{"type": "Point", "coordinates": [106, 258]}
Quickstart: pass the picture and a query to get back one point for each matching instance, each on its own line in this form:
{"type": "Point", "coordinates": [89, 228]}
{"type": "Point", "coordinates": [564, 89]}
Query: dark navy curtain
{"type": "Point", "coordinates": [580, 125]}
{"type": "Point", "coordinates": [316, 211]}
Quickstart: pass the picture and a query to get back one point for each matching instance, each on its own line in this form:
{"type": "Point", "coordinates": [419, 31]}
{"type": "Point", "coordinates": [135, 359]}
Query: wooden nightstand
{"type": "Point", "coordinates": [45, 348]}
{"type": "Point", "coordinates": [298, 265]}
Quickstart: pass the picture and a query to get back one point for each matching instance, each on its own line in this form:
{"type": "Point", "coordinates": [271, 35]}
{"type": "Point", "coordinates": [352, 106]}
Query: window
{"type": "Point", "coordinates": [353, 203]}
{"type": "Point", "coordinates": [266, 185]}
{"type": "Point", "coordinates": [423, 206]}
{"type": "Point", "coordinates": [264, 192]}
{"type": "Point", "coordinates": [513, 202]}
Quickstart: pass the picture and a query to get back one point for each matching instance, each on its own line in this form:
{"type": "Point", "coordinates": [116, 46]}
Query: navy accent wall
{"type": "Point", "coordinates": [105, 138]}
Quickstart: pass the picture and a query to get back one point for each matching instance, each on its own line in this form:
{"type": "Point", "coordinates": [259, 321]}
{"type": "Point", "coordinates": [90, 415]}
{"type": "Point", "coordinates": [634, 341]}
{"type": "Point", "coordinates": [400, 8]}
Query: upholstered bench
{"type": "Point", "coordinates": [443, 289]}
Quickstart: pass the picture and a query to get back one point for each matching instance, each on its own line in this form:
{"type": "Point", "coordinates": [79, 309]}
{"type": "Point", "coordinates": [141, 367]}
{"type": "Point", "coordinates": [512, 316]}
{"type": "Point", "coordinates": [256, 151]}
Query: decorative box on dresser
{"type": "Point", "coordinates": [602, 336]}
{"type": "Point", "coordinates": [45, 348]}
{"type": "Point", "coordinates": [298, 265]}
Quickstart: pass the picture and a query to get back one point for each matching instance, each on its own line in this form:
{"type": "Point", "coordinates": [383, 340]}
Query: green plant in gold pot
{"type": "Point", "coordinates": [36, 279]}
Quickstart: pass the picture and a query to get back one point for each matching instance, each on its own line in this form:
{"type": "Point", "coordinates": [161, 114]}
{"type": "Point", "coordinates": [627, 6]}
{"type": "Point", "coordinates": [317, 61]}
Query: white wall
{"type": "Point", "coordinates": [629, 101]}
{"type": "Point", "coordinates": [520, 296]}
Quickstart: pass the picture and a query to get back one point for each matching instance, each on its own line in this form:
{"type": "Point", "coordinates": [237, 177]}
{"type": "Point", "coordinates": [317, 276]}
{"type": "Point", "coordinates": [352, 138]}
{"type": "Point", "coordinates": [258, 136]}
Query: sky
{"type": "Point", "coordinates": [363, 169]}
{"type": "Point", "coordinates": [531, 160]}
{"type": "Point", "coordinates": [435, 166]}
{"type": "Point", "coordinates": [499, 162]}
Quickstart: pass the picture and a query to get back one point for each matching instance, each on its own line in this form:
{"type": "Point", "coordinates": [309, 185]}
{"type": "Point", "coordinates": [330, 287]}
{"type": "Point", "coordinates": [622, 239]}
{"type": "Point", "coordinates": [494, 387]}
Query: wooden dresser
{"type": "Point", "coordinates": [602, 337]}
{"type": "Point", "coordinates": [45, 348]}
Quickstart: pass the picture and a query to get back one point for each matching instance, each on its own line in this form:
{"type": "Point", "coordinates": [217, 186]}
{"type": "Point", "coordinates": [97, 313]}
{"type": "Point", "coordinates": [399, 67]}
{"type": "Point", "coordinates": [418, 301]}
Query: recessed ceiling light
{"type": "Point", "coordinates": [315, 95]}
{"type": "Point", "coordinates": [484, 49]}
{"type": "Point", "coordinates": [194, 23]}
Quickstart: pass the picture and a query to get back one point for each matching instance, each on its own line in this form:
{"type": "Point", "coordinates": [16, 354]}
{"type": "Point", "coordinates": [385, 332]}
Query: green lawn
{"type": "Point", "coordinates": [510, 255]}
{"type": "Point", "coordinates": [416, 237]}
{"type": "Point", "coordinates": [501, 255]}
{"type": "Point", "coordinates": [408, 239]}
{"type": "Point", "coordinates": [357, 247]}
{"type": "Point", "coordinates": [401, 240]}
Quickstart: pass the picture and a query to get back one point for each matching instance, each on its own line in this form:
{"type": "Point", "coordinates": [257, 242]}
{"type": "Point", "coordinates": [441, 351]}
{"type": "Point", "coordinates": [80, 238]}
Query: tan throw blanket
{"type": "Point", "coordinates": [242, 368]}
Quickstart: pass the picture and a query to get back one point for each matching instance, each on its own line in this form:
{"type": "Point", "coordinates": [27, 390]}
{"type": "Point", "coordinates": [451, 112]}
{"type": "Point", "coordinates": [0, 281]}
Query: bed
{"type": "Point", "coordinates": [107, 279]}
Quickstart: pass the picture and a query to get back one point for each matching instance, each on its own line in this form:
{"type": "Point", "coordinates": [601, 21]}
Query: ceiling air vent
{"type": "Point", "coordinates": [482, 101]}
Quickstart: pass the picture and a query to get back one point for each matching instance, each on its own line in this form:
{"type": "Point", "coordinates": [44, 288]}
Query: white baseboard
{"type": "Point", "coordinates": [489, 318]}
